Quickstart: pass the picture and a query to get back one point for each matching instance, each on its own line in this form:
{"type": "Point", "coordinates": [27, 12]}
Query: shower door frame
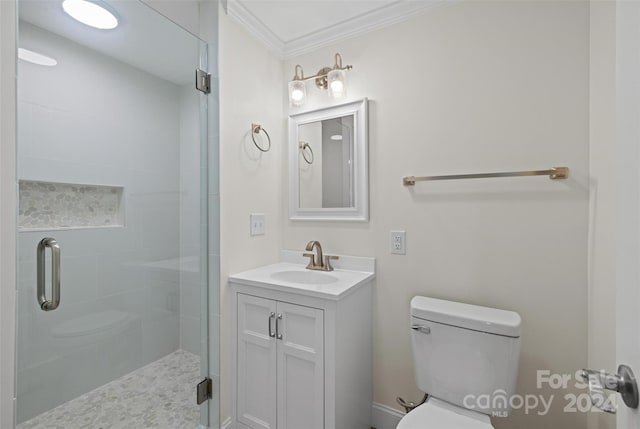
{"type": "Point", "coordinates": [9, 209]}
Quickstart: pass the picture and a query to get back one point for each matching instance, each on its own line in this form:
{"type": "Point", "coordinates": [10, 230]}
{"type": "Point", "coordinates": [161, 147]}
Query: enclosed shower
{"type": "Point", "coordinates": [113, 252]}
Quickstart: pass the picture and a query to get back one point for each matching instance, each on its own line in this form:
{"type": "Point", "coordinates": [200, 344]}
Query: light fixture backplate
{"type": "Point", "coordinates": [322, 82]}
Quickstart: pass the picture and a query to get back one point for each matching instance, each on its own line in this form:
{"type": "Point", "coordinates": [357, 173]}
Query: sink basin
{"type": "Point", "coordinates": [306, 277]}
{"type": "Point", "coordinates": [293, 277]}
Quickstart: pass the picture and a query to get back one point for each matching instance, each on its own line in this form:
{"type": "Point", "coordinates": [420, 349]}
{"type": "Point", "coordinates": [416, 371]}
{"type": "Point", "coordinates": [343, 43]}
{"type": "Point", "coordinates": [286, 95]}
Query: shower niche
{"type": "Point", "coordinates": [52, 205]}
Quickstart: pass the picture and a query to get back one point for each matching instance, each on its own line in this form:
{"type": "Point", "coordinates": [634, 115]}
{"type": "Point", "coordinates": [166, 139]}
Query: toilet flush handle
{"type": "Point", "coordinates": [421, 329]}
{"type": "Point", "coordinates": [410, 406]}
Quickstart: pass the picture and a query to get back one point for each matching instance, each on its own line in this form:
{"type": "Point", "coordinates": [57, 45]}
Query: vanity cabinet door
{"type": "Point", "coordinates": [300, 367]}
{"type": "Point", "coordinates": [280, 365]}
{"type": "Point", "coordinates": [256, 363]}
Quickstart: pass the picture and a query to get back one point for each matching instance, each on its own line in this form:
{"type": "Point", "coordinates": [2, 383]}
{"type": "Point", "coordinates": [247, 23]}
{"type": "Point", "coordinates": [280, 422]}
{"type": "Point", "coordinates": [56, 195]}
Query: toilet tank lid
{"type": "Point", "coordinates": [475, 317]}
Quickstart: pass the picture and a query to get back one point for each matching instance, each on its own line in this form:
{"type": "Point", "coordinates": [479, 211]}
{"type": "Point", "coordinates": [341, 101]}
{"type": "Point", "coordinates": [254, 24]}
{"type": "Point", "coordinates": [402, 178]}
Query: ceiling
{"type": "Point", "coordinates": [288, 27]}
{"type": "Point", "coordinates": [293, 27]}
{"type": "Point", "coordinates": [143, 39]}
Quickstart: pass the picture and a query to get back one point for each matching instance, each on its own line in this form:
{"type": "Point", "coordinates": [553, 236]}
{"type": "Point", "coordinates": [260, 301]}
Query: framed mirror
{"type": "Point", "coordinates": [328, 163]}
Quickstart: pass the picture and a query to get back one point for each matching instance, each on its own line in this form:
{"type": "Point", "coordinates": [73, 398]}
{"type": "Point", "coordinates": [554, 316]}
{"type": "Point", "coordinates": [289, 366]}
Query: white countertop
{"type": "Point", "coordinates": [322, 284]}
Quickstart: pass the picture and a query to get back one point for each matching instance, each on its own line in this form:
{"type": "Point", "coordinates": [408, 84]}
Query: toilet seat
{"type": "Point", "coordinates": [437, 414]}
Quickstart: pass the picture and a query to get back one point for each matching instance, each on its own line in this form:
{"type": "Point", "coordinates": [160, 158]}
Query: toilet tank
{"type": "Point", "coordinates": [465, 354]}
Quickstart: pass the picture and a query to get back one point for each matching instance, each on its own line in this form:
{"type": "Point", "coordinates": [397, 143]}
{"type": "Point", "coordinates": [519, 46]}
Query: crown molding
{"type": "Point", "coordinates": [365, 23]}
{"type": "Point", "coordinates": [361, 24]}
{"type": "Point", "coordinates": [255, 26]}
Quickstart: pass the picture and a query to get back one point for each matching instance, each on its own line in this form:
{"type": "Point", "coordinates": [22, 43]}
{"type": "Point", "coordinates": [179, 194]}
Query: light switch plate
{"type": "Point", "coordinates": [257, 226]}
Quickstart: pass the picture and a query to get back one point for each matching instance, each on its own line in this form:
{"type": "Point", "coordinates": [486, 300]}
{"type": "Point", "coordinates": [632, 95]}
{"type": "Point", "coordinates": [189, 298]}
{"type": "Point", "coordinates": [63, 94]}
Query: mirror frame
{"type": "Point", "coordinates": [360, 211]}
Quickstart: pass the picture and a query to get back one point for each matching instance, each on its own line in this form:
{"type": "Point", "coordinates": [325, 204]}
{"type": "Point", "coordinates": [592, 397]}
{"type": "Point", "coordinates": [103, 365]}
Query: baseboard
{"type": "Point", "coordinates": [383, 417]}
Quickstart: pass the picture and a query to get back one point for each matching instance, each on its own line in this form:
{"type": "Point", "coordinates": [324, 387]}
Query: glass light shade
{"type": "Point", "coordinates": [337, 83]}
{"type": "Point", "coordinates": [90, 13]}
{"type": "Point", "coordinates": [297, 92]}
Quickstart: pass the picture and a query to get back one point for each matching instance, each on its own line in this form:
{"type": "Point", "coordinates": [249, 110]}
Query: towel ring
{"type": "Point", "coordinates": [255, 129]}
{"type": "Point", "coordinates": [303, 146]}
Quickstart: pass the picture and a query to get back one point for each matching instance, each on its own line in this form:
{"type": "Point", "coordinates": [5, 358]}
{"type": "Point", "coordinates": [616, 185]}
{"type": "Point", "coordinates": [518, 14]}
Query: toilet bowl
{"type": "Point", "coordinates": [436, 414]}
{"type": "Point", "coordinates": [462, 353]}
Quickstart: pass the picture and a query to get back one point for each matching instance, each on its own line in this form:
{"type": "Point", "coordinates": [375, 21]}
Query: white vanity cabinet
{"type": "Point", "coordinates": [302, 355]}
{"type": "Point", "coordinates": [280, 369]}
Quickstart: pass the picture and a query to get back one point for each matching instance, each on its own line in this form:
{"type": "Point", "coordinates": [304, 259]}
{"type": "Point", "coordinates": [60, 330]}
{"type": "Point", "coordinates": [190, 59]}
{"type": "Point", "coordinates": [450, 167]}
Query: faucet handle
{"type": "Point", "coordinates": [327, 262]}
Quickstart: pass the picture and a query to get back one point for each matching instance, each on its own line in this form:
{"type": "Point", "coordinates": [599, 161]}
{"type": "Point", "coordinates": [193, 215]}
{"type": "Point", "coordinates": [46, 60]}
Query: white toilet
{"type": "Point", "coordinates": [466, 358]}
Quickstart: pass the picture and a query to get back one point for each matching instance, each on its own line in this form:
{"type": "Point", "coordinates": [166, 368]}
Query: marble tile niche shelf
{"type": "Point", "coordinates": [50, 205]}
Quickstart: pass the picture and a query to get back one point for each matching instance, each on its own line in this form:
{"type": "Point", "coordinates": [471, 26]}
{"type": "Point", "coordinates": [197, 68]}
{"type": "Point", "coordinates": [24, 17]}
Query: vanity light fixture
{"type": "Point", "coordinates": [91, 13]}
{"type": "Point", "coordinates": [36, 58]}
{"type": "Point", "coordinates": [333, 79]}
{"type": "Point", "coordinates": [297, 88]}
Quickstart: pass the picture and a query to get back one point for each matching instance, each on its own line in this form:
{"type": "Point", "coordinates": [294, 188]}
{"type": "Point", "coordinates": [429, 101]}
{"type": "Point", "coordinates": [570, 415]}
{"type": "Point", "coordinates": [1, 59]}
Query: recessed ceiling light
{"type": "Point", "coordinates": [336, 137]}
{"type": "Point", "coordinates": [90, 13]}
{"type": "Point", "coordinates": [36, 58]}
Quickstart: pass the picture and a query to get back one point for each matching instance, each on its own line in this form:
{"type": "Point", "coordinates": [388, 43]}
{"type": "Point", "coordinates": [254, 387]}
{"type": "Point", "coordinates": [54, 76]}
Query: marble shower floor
{"type": "Point", "coordinates": [160, 395]}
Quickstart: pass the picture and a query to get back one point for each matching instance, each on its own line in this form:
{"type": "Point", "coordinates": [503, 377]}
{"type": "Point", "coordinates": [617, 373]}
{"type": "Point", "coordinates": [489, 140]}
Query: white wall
{"type": "Point", "coordinates": [8, 224]}
{"type": "Point", "coordinates": [251, 85]}
{"type": "Point", "coordinates": [602, 223]}
{"type": "Point", "coordinates": [475, 87]}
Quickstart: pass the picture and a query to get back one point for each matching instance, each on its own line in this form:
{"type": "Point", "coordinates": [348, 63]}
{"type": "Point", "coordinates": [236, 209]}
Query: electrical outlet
{"type": "Point", "coordinates": [257, 224]}
{"type": "Point", "coordinates": [398, 242]}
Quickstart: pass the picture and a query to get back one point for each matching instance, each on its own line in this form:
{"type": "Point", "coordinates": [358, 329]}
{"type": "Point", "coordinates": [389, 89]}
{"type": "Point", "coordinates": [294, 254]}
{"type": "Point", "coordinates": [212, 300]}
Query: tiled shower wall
{"type": "Point", "coordinates": [189, 222]}
{"type": "Point", "coordinates": [125, 132]}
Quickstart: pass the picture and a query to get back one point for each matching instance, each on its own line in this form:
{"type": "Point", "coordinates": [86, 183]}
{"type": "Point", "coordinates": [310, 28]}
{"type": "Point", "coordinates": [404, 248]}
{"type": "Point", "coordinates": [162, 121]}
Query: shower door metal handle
{"type": "Point", "coordinates": [45, 304]}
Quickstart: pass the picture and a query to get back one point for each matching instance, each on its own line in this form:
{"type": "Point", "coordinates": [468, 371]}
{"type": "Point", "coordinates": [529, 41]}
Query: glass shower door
{"type": "Point", "coordinates": [112, 239]}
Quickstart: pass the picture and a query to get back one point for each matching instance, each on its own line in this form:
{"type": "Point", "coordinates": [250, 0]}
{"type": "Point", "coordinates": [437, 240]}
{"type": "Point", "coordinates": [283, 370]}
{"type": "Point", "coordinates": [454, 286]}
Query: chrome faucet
{"type": "Point", "coordinates": [315, 260]}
